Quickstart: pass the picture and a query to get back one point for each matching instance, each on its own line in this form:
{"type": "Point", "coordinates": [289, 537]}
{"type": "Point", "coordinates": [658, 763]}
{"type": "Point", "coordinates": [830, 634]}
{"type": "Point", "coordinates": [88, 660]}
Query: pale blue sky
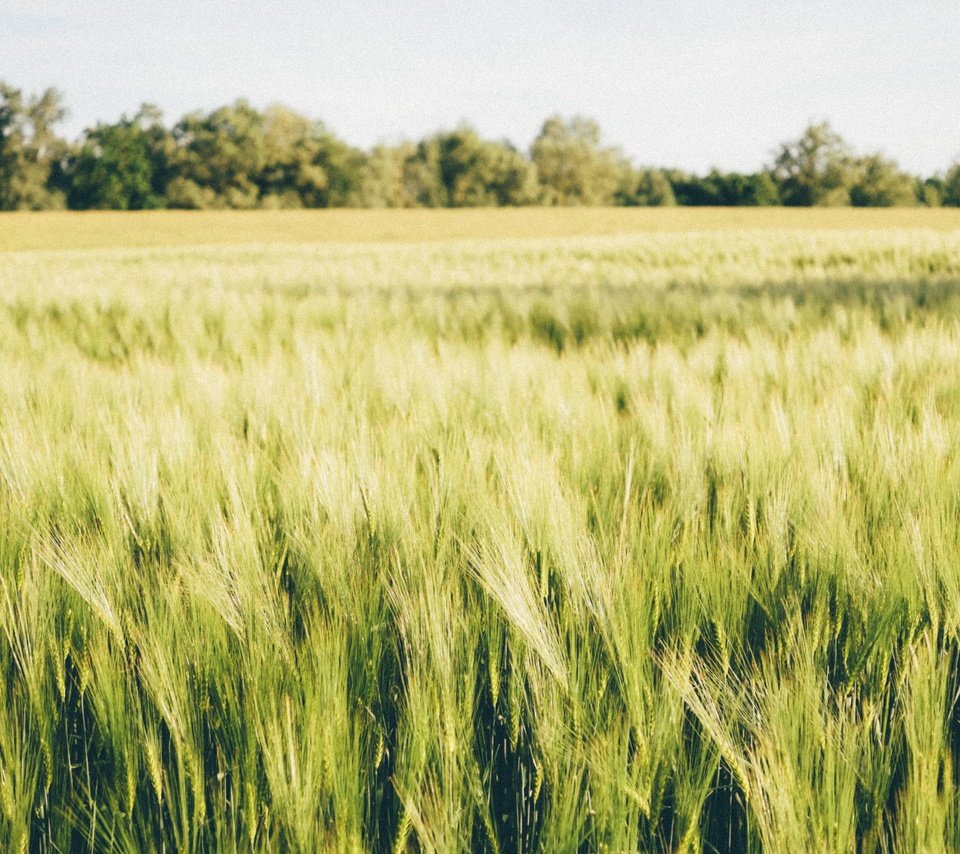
{"type": "Point", "coordinates": [688, 83]}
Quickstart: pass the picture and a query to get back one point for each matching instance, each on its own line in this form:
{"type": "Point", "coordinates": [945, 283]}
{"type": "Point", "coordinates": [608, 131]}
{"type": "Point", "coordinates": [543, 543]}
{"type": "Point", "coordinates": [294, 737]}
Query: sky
{"type": "Point", "coordinates": [692, 84]}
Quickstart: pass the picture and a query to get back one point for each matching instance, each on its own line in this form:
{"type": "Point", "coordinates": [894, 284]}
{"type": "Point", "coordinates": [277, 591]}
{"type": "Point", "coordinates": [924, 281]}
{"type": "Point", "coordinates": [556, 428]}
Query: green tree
{"type": "Point", "coordinates": [459, 169]}
{"type": "Point", "coordinates": [930, 192]}
{"type": "Point", "coordinates": [816, 169]}
{"type": "Point", "coordinates": [382, 181]}
{"type": "Point", "coordinates": [644, 187]}
{"type": "Point", "coordinates": [880, 183]}
{"type": "Point", "coordinates": [305, 165]}
{"type": "Point", "coordinates": [238, 157]}
{"type": "Point", "coordinates": [753, 190]}
{"type": "Point", "coordinates": [121, 166]}
{"type": "Point", "coordinates": [219, 157]}
{"type": "Point", "coordinates": [572, 166]}
{"type": "Point", "coordinates": [728, 189]}
{"type": "Point", "coordinates": [423, 176]}
{"type": "Point", "coordinates": [30, 149]}
{"type": "Point", "coordinates": [950, 187]}
{"type": "Point", "coordinates": [767, 192]}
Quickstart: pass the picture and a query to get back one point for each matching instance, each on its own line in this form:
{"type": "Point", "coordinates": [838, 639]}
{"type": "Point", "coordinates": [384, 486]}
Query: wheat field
{"type": "Point", "coordinates": [454, 534]}
{"type": "Point", "coordinates": [110, 229]}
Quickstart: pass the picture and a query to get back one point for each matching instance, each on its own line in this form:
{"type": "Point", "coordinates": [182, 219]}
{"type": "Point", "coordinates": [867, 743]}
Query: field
{"type": "Point", "coordinates": [109, 229]}
{"type": "Point", "coordinates": [333, 533]}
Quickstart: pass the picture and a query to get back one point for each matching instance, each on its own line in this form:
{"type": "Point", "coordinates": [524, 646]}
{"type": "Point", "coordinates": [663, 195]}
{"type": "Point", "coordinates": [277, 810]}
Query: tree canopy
{"type": "Point", "coordinates": [239, 156]}
{"type": "Point", "coordinates": [29, 149]}
{"type": "Point", "coordinates": [572, 166]}
{"type": "Point", "coordinates": [878, 182]}
{"type": "Point", "coordinates": [120, 166]}
{"type": "Point", "coordinates": [815, 169]}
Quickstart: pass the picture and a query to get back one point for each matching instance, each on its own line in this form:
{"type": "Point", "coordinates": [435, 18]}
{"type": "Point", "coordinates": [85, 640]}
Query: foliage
{"type": "Point", "coordinates": [387, 179]}
{"type": "Point", "coordinates": [730, 189]}
{"type": "Point", "coordinates": [572, 167]}
{"type": "Point", "coordinates": [880, 183]}
{"type": "Point", "coordinates": [459, 169]}
{"type": "Point", "coordinates": [930, 192]}
{"type": "Point", "coordinates": [121, 166]}
{"type": "Point", "coordinates": [306, 163]}
{"type": "Point", "coordinates": [645, 188]}
{"type": "Point", "coordinates": [240, 157]}
{"type": "Point", "coordinates": [29, 148]}
{"type": "Point", "coordinates": [219, 156]}
{"type": "Point", "coordinates": [816, 169]}
{"type": "Point", "coordinates": [950, 186]}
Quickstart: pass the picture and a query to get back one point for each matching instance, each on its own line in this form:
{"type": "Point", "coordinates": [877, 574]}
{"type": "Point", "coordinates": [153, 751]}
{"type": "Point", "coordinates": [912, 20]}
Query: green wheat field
{"type": "Point", "coordinates": [615, 535]}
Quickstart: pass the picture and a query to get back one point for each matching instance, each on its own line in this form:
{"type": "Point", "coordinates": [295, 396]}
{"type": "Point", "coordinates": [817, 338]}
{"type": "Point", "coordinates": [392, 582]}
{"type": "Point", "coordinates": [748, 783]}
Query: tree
{"type": "Point", "coordinates": [238, 157]}
{"type": "Point", "coordinates": [29, 149]}
{"type": "Point", "coordinates": [880, 183]}
{"type": "Point", "coordinates": [816, 169]}
{"type": "Point", "coordinates": [121, 166]}
{"type": "Point", "coordinates": [645, 188]}
{"type": "Point", "coordinates": [305, 165]}
{"type": "Point", "coordinates": [930, 192]}
{"type": "Point", "coordinates": [459, 169]}
{"type": "Point", "coordinates": [218, 158]}
{"type": "Point", "coordinates": [752, 190]}
{"type": "Point", "coordinates": [950, 188]}
{"type": "Point", "coordinates": [381, 183]}
{"type": "Point", "coordinates": [729, 189]}
{"type": "Point", "coordinates": [449, 169]}
{"type": "Point", "coordinates": [572, 167]}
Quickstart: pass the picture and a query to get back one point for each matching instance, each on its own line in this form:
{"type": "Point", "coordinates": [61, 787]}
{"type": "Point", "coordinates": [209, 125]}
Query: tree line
{"type": "Point", "coordinates": [239, 157]}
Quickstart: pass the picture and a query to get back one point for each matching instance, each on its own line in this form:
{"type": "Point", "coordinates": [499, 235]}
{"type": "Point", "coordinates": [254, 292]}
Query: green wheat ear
{"type": "Point", "coordinates": [58, 661]}
{"type": "Point", "coordinates": [7, 803]}
{"type": "Point", "coordinates": [131, 785]}
{"type": "Point", "coordinates": [251, 810]}
{"type": "Point", "coordinates": [380, 749]}
{"type": "Point", "coordinates": [47, 753]}
{"type": "Point", "coordinates": [154, 767]}
{"type": "Point", "coordinates": [403, 833]}
{"type": "Point", "coordinates": [494, 682]}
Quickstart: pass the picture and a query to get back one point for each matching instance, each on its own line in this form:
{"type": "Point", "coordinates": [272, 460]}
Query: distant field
{"type": "Point", "coordinates": [179, 228]}
{"type": "Point", "coordinates": [576, 531]}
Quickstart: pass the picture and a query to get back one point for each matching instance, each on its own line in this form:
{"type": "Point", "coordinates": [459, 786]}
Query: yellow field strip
{"type": "Point", "coordinates": [106, 229]}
